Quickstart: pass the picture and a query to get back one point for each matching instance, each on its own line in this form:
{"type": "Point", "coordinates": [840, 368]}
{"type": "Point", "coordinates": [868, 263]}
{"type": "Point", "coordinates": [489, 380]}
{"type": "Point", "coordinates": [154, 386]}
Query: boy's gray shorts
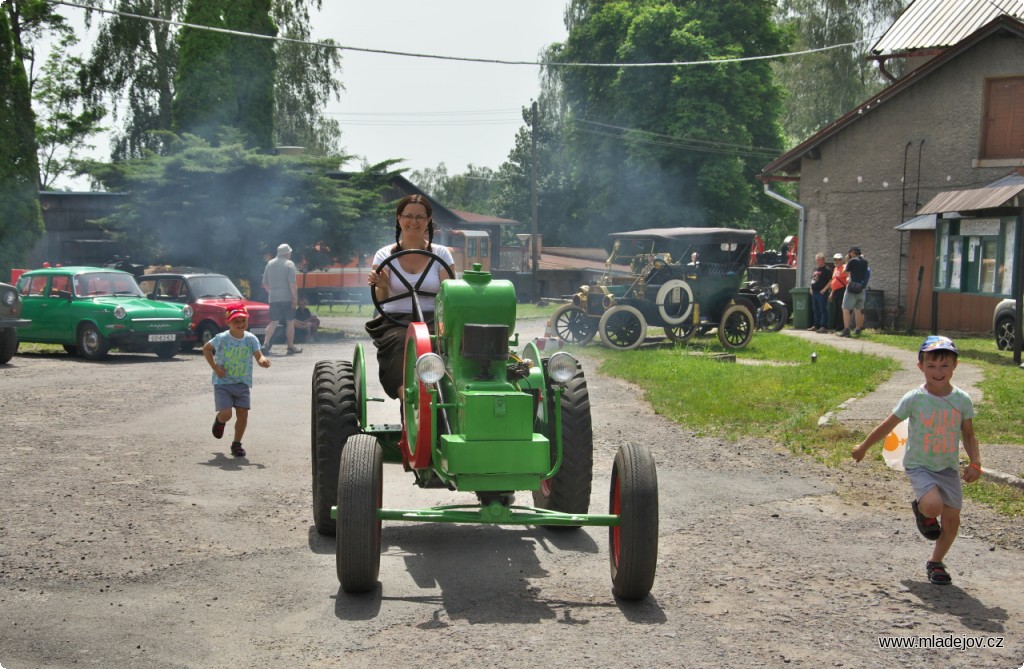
{"type": "Point", "coordinates": [947, 481]}
{"type": "Point", "coordinates": [227, 395]}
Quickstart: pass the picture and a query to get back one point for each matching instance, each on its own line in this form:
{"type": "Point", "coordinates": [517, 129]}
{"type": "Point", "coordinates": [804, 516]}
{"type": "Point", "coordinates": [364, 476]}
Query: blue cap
{"type": "Point", "coordinates": [938, 343]}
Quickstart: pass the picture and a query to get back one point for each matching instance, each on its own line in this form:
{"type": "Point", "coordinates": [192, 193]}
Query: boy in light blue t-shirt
{"type": "Point", "coordinates": [230, 355]}
{"type": "Point", "coordinates": [938, 415]}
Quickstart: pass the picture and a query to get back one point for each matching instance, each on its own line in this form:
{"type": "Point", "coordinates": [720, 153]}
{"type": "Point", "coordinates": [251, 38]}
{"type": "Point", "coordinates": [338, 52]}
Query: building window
{"type": "Point", "coordinates": [1004, 119]}
{"type": "Point", "coordinates": [975, 256]}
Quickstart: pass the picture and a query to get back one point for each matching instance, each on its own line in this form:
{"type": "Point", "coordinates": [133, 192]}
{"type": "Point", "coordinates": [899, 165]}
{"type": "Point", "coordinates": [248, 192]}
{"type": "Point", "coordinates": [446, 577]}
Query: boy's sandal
{"type": "Point", "coordinates": [937, 573]}
{"type": "Point", "coordinates": [237, 450]}
{"type": "Point", "coordinates": [928, 527]}
{"type": "Point", "coordinates": [218, 428]}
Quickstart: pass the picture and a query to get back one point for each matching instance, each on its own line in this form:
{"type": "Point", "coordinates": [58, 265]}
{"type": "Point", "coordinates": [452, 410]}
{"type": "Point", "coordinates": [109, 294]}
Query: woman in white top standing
{"type": "Point", "coordinates": [392, 283]}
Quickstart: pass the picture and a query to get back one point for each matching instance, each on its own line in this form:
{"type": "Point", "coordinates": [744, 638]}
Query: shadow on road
{"type": "Point", "coordinates": [953, 601]}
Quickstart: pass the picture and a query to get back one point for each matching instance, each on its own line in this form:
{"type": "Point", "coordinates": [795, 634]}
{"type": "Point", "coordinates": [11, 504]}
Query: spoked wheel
{"type": "Point", "coordinates": [573, 326]}
{"type": "Point", "coordinates": [633, 543]}
{"type": "Point", "coordinates": [360, 495]}
{"type": "Point", "coordinates": [775, 319]}
{"type": "Point", "coordinates": [333, 409]}
{"type": "Point", "coordinates": [737, 327]}
{"type": "Point", "coordinates": [568, 491]}
{"type": "Point", "coordinates": [681, 333]}
{"type": "Point", "coordinates": [623, 327]}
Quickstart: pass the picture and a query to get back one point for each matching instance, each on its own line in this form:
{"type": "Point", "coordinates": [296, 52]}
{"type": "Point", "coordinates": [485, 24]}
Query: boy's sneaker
{"type": "Point", "coordinates": [845, 332]}
{"type": "Point", "coordinates": [237, 450]}
{"type": "Point", "coordinates": [218, 428]}
{"type": "Point", "coordinates": [937, 573]}
{"type": "Point", "coordinates": [928, 527]}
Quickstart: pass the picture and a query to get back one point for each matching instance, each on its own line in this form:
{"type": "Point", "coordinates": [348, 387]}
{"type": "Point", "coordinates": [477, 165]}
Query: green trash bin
{"type": "Point", "coordinates": [801, 307]}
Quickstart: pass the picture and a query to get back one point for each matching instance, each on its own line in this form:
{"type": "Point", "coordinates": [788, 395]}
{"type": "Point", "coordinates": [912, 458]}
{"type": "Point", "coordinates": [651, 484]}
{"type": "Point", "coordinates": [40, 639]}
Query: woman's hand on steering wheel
{"type": "Point", "coordinates": [414, 292]}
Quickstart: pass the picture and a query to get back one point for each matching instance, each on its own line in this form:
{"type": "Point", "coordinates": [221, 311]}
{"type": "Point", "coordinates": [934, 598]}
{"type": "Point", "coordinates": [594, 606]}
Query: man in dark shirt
{"type": "Point", "coordinates": [821, 276]}
{"type": "Point", "coordinates": [853, 301]}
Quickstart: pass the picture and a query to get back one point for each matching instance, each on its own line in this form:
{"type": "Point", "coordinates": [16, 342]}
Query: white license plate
{"type": "Point", "coordinates": [162, 337]}
{"type": "Point", "coordinates": [258, 331]}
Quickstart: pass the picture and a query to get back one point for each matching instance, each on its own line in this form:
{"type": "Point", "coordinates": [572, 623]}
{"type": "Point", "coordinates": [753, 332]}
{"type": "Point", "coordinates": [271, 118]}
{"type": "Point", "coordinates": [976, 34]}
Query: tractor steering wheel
{"type": "Point", "coordinates": [412, 291]}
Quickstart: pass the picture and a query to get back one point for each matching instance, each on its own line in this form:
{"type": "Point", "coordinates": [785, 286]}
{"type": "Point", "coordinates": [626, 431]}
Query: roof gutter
{"type": "Point", "coordinates": [799, 230]}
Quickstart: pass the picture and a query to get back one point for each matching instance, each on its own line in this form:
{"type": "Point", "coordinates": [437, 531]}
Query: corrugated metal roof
{"type": "Point", "coordinates": [922, 222]}
{"type": "Point", "coordinates": [930, 24]}
{"type": "Point", "coordinates": [996, 194]}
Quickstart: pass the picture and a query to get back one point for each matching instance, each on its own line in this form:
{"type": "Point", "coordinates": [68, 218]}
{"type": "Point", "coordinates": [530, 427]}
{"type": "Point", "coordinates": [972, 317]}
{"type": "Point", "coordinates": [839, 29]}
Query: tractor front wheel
{"type": "Point", "coordinates": [333, 420]}
{"type": "Point", "coordinates": [633, 543]}
{"type": "Point", "coordinates": [360, 495]}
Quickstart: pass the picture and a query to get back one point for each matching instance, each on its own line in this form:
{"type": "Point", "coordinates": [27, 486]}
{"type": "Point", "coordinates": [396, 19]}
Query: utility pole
{"type": "Point", "coordinates": [533, 202]}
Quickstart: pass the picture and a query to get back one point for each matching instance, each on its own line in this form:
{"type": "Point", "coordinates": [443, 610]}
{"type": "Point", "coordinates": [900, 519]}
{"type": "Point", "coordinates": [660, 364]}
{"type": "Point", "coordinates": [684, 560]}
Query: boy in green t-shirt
{"type": "Point", "coordinates": [938, 414]}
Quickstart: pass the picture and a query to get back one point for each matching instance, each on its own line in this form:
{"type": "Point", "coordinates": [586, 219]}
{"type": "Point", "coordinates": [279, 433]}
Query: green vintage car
{"type": "Point", "coordinates": [90, 310]}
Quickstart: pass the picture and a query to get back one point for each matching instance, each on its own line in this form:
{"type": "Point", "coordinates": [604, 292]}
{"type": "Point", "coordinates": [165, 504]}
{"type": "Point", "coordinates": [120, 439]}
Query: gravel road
{"type": "Point", "coordinates": [128, 537]}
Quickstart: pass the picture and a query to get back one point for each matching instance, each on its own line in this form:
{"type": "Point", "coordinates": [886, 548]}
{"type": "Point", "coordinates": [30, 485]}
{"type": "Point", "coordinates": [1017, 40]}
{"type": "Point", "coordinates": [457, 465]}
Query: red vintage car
{"type": "Point", "coordinates": [209, 294]}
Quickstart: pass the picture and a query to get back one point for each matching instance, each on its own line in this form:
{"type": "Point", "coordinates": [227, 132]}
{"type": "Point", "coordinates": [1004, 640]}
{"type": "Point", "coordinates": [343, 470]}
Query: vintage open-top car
{"type": "Point", "coordinates": [680, 279]}
{"type": "Point", "coordinates": [476, 418]}
{"type": "Point", "coordinates": [209, 294]}
{"type": "Point", "coordinates": [90, 310]}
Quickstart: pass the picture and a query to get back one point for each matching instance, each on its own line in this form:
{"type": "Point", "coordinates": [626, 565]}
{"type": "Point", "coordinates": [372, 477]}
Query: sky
{"type": "Point", "coordinates": [428, 111]}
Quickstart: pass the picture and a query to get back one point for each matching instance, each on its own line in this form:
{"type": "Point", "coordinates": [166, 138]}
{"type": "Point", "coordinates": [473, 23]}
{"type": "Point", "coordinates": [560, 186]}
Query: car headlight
{"type": "Point", "coordinates": [187, 311]}
{"type": "Point", "coordinates": [561, 367]}
{"type": "Point", "coordinates": [119, 312]}
{"type": "Point", "coordinates": [9, 297]}
{"type": "Point", "coordinates": [775, 289]}
{"type": "Point", "coordinates": [429, 368]}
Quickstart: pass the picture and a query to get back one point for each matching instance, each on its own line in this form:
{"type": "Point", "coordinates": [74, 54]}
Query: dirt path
{"type": "Point", "coordinates": [129, 538]}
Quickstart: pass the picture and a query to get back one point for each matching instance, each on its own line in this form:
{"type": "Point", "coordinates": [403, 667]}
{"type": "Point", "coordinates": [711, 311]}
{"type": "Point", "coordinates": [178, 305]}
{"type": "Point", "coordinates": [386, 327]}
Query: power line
{"type": "Point", "coordinates": [491, 61]}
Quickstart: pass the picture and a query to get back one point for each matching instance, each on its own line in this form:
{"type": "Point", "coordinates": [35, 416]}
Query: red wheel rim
{"type": "Point", "coordinates": [420, 457]}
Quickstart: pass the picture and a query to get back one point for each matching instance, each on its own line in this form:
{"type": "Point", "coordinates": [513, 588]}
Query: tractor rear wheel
{"type": "Point", "coordinates": [333, 422]}
{"type": "Point", "coordinates": [360, 495]}
{"type": "Point", "coordinates": [633, 543]}
{"type": "Point", "coordinates": [568, 491]}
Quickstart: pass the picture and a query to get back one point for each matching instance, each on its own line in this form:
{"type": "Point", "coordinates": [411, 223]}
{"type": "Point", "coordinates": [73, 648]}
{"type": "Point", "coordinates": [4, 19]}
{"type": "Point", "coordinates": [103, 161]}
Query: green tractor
{"type": "Point", "coordinates": [476, 418]}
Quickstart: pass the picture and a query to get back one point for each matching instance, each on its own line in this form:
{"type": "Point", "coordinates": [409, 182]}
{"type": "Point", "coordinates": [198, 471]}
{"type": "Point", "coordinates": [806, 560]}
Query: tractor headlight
{"type": "Point", "coordinates": [429, 368]}
{"type": "Point", "coordinates": [775, 289]}
{"type": "Point", "coordinates": [119, 312]}
{"type": "Point", "coordinates": [561, 367]}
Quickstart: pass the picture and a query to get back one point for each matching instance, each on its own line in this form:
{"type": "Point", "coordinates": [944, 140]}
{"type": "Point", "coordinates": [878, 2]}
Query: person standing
{"type": "Point", "coordinates": [821, 276]}
{"type": "Point", "coordinates": [283, 296]}
{"type": "Point", "coordinates": [837, 289]}
{"type": "Point", "coordinates": [856, 273]}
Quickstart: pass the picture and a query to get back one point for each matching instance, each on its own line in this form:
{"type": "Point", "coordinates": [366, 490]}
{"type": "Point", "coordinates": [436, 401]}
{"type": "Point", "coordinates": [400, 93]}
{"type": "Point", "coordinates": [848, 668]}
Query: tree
{"type": "Point", "coordinates": [21, 222]}
{"type": "Point", "coordinates": [226, 206]}
{"type": "Point", "coordinates": [66, 119]}
{"type": "Point", "coordinates": [205, 100]}
{"type": "Point", "coordinates": [660, 146]}
{"type": "Point", "coordinates": [138, 60]}
{"type": "Point", "coordinates": [825, 85]}
{"type": "Point", "coordinates": [473, 191]}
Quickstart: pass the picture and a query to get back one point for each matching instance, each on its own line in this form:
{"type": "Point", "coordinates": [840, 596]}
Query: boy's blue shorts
{"type": "Point", "coordinates": [947, 481]}
{"type": "Point", "coordinates": [227, 395]}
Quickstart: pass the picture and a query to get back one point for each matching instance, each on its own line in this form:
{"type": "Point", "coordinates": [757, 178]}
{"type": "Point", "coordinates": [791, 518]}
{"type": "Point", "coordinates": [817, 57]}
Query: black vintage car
{"type": "Point", "coordinates": [10, 319]}
{"type": "Point", "coordinates": [680, 279]}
